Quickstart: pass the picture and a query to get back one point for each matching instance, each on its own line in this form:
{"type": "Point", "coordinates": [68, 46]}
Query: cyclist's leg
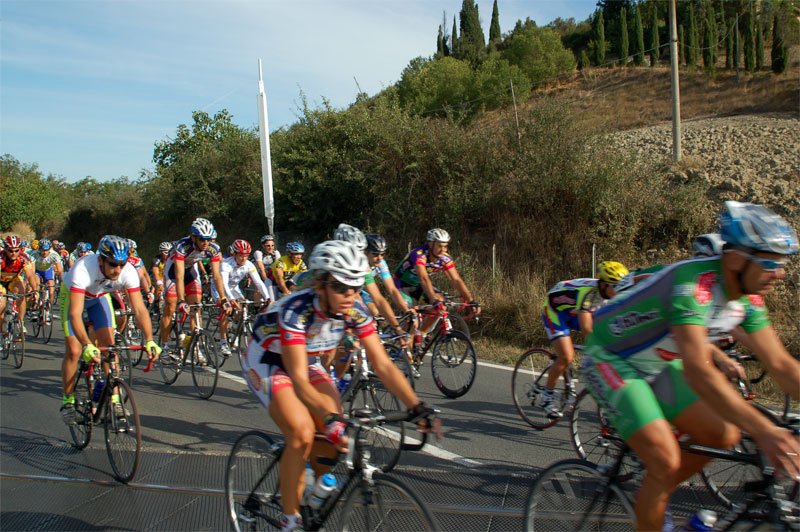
{"type": "Point", "coordinates": [564, 353]}
{"type": "Point", "coordinates": [170, 303]}
{"type": "Point", "coordinates": [194, 291]}
{"type": "Point", "coordinates": [3, 300]}
{"type": "Point", "coordinates": [17, 286]}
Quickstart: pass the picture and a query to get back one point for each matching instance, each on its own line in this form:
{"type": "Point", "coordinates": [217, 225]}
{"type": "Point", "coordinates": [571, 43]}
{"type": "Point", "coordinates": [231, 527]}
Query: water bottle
{"type": "Point", "coordinates": [325, 486]}
{"type": "Point", "coordinates": [98, 390]}
{"type": "Point", "coordinates": [309, 484]}
{"type": "Point", "coordinates": [344, 382]}
{"type": "Point", "coordinates": [417, 336]}
{"type": "Point", "coordinates": [186, 339]}
{"type": "Point", "coordinates": [702, 521]}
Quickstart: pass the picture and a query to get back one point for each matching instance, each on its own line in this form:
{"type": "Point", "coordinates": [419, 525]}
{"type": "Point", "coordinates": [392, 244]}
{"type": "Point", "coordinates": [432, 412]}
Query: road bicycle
{"type": "Point", "coordinates": [240, 329]}
{"type": "Point", "coordinates": [12, 338]}
{"type": "Point", "coordinates": [41, 317]}
{"type": "Point", "coordinates": [528, 384]}
{"type": "Point", "coordinates": [580, 495]}
{"type": "Point", "coordinates": [197, 348]}
{"type": "Point", "coordinates": [114, 407]}
{"type": "Point", "coordinates": [366, 499]}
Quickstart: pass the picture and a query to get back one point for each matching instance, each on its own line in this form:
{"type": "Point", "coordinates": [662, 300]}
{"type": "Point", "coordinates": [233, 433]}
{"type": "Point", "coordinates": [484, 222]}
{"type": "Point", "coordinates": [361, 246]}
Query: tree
{"type": "Point", "coordinates": [472, 42]}
{"type": "Point", "coordinates": [638, 51]}
{"type": "Point", "coordinates": [681, 46]}
{"type": "Point", "coordinates": [440, 43]}
{"type": "Point", "coordinates": [455, 46]}
{"type": "Point", "coordinates": [708, 40]}
{"type": "Point", "coordinates": [583, 60]}
{"type": "Point", "coordinates": [494, 27]}
{"type": "Point", "coordinates": [539, 53]}
{"type": "Point", "coordinates": [691, 52]}
{"type": "Point", "coordinates": [30, 197]}
{"type": "Point", "coordinates": [655, 44]}
{"type": "Point", "coordinates": [599, 38]}
{"type": "Point", "coordinates": [749, 41]}
{"type": "Point", "coordinates": [623, 35]}
{"type": "Point", "coordinates": [730, 45]}
{"type": "Point", "coordinates": [759, 44]}
{"type": "Point", "coordinates": [780, 50]}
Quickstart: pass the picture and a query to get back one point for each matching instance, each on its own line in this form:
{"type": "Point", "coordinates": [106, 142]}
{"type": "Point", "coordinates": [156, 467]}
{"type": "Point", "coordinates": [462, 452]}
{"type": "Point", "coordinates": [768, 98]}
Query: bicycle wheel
{"type": "Point", "coordinates": [81, 431]}
{"type": "Point", "coordinates": [453, 364]}
{"type": "Point", "coordinates": [205, 364]}
{"type": "Point", "coordinates": [403, 363]}
{"type": "Point", "coordinates": [123, 432]}
{"type": "Point", "coordinates": [155, 317]}
{"type": "Point", "coordinates": [528, 382]}
{"type": "Point", "coordinates": [124, 361]}
{"type": "Point", "coordinates": [384, 442]}
{"type": "Point", "coordinates": [387, 504]}
{"type": "Point", "coordinates": [240, 342]}
{"type": "Point", "coordinates": [170, 363]}
{"type": "Point", "coordinates": [5, 340]}
{"type": "Point", "coordinates": [574, 495]}
{"type": "Point", "coordinates": [34, 324]}
{"type": "Point", "coordinates": [17, 343]}
{"type": "Point", "coordinates": [459, 324]}
{"type": "Point", "coordinates": [47, 321]}
{"type": "Point", "coordinates": [133, 336]}
{"type": "Point", "coordinates": [252, 491]}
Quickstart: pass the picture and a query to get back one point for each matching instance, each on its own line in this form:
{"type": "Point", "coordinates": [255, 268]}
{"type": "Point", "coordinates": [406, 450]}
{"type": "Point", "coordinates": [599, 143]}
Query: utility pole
{"type": "Point", "coordinates": [676, 89]}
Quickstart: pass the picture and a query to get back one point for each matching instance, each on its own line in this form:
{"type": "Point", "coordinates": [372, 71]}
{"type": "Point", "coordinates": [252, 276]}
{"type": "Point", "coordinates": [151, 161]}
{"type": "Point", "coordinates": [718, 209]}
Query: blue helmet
{"type": "Point", "coordinates": [44, 244]}
{"type": "Point", "coordinates": [295, 247]}
{"type": "Point", "coordinates": [81, 247]}
{"type": "Point", "coordinates": [203, 228]}
{"type": "Point", "coordinates": [89, 246]}
{"type": "Point", "coordinates": [758, 228]}
{"type": "Point", "coordinates": [113, 247]}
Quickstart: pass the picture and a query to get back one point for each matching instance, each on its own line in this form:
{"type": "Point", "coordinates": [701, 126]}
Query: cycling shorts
{"type": "Point", "coordinates": [558, 324]}
{"type": "Point", "coordinates": [413, 295]}
{"type": "Point", "coordinates": [629, 399]}
{"type": "Point", "coordinates": [265, 380]}
{"type": "Point", "coordinates": [98, 312]}
{"type": "Point", "coordinates": [191, 282]}
{"type": "Point", "coordinates": [46, 275]}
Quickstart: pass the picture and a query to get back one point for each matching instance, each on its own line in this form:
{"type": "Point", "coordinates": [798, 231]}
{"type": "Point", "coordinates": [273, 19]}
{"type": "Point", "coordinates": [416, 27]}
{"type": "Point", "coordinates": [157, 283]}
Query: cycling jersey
{"type": "Point", "coordinates": [233, 274]}
{"type": "Point", "coordinates": [267, 259]}
{"type": "Point", "coordinates": [136, 262]}
{"type": "Point", "coordinates": [12, 269]}
{"type": "Point", "coordinates": [288, 268]}
{"type": "Point", "coordinates": [405, 273]}
{"type": "Point", "coordinates": [158, 262]}
{"type": "Point", "coordinates": [185, 252]}
{"type": "Point", "coordinates": [381, 271]}
{"type": "Point", "coordinates": [86, 277]}
{"type": "Point", "coordinates": [564, 301]}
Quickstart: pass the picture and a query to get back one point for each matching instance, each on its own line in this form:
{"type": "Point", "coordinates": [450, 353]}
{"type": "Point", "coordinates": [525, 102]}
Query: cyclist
{"type": "Point", "coordinates": [647, 361]}
{"type": "Point", "coordinates": [138, 263]}
{"type": "Point", "coordinates": [264, 258]}
{"type": "Point", "coordinates": [157, 268]}
{"type": "Point", "coordinates": [376, 252]}
{"type": "Point", "coordinates": [89, 283]}
{"type": "Point", "coordinates": [569, 307]}
{"type": "Point", "coordinates": [48, 266]}
{"type": "Point", "coordinates": [183, 277]}
{"type": "Point", "coordinates": [234, 269]}
{"type": "Point", "coordinates": [15, 270]}
{"type": "Point", "coordinates": [66, 260]}
{"type": "Point", "coordinates": [287, 267]}
{"type": "Point", "coordinates": [282, 365]}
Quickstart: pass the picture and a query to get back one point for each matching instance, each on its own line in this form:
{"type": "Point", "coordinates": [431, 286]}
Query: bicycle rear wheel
{"type": "Point", "coordinates": [403, 363]}
{"type": "Point", "coordinates": [81, 431]}
{"type": "Point", "coordinates": [170, 362]}
{"type": "Point", "coordinates": [17, 344]}
{"type": "Point", "coordinates": [46, 316]}
{"type": "Point", "coordinates": [34, 323]}
{"type": "Point", "coordinates": [385, 441]}
{"type": "Point", "coordinates": [386, 505]}
{"type": "Point", "coordinates": [453, 364]}
{"type": "Point", "coordinates": [574, 495]}
{"type": "Point", "coordinates": [528, 382]}
{"type": "Point", "coordinates": [252, 491]}
{"type": "Point", "coordinates": [133, 336]}
{"type": "Point", "coordinates": [123, 431]}
{"type": "Point", "coordinates": [205, 364]}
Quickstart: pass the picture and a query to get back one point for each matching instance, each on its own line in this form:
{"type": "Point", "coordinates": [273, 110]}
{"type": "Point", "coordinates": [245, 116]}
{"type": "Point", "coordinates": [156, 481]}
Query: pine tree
{"type": "Point", "coordinates": [654, 42]}
{"type": "Point", "coordinates": [599, 38]}
{"type": "Point", "coordinates": [583, 60]}
{"type": "Point", "coordinates": [708, 40]}
{"type": "Point", "coordinates": [729, 45]}
{"type": "Point", "coordinates": [455, 48]}
{"type": "Point", "coordinates": [749, 42]}
{"type": "Point", "coordinates": [780, 52]}
{"type": "Point", "coordinates": [638, 52]}
{"type": "Point", "coordinates": [759, 44]}
{"type": "Point", "coordinates": [681, 46]}
{"type": "Point", "coordinates": [691, 52]}
{"type": "Point", "coordinates": [472, 43]}
{"type": "Point", "coordinates": [494, 27]}
{"type": "Point", "coordinates": [623, 36]}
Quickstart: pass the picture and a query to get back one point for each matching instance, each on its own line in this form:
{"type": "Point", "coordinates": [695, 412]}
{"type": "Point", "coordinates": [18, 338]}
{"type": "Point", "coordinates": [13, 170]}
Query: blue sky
{"type": "Point", "coordinates": [87, 88]}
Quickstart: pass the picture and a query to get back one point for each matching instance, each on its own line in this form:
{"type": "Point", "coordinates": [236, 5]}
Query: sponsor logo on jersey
{"type": "Point", "coordinates": [631, 320]}
{"type": "Point", "coordinates": [667, 355]}
{"type": "Point", "coordinates": [704, 287]}
{"type": "Point", "coordinates": [254, 379]}
{"type": "Point", "coordinates": [756, 300]}
{"type": "Point", "coordinates": [683, 290]}
{"type": "Point", "coordinates": [564, 300]}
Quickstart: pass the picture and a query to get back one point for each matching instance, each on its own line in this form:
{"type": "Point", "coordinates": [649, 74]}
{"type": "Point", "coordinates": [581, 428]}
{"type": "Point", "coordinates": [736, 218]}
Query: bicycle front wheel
{"type": "Point", "coordinates": [453, 364]}
{"type": "Point", "coordinates": [123, 431]}
{"type": "Point", "coordinates": [252, 491]}
{"type": "Point", "coordinates": [124, 362]}
{"type": "Point", "coordinates": [81, 431]}
{"type": "Point", "coordinates": [574, 495]}
{"type": "Point", "coordinates": [528, 383]}
{"type": "Point", "coordinates": [17, 344]}
{"type": "Point", "coordinates": [170, 362]}
{"type": "Point", "coordinates": [47, 322]}
{"type": "Point", "coordinates": [205, 364]}
{"type": "Point", "coordinates": [384, 441]}
{"type": "Point", "coordinates": [134, 336]}
{"type": "Point", "coordinates": [387, 504]}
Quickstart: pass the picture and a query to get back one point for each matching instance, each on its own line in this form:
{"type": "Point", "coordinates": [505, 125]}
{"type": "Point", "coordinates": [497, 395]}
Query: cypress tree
{"type": "Point", "coordinates": [737, 46]}
{"type": "Point", "coordinates": [623, 36]}
{"type": "Point", "coordinates": [494, 27]}
{"type": "Point", "coordinates": [749, 42]}
{"type": "Point", "coordinates": [583, 59]}
{"type": "Point", "coordinates": [455, 49]}
{"type": "Point", "coordinates": [681, 46]}
{"type": "Point", "coordinates": [691, 52]}
{"type": "Point", "coordinates": [599, 38]}
{"type": "Point", "coordinates": [638, 52]}
{"type": "Point", "coordinates": [729, 45]}
{"type": "Point", "coordinates": [654, 42]}
{"type": "Point", "coordinates": [472, 42]}
{"type": "Point", "coordinates": [708, 41]}
{"type": "Point", "coordinates": [780, 52]}
{"type": "Point", "coordinates": [759, 44]}
{"type": "Point", "coordinates": [440, 43]}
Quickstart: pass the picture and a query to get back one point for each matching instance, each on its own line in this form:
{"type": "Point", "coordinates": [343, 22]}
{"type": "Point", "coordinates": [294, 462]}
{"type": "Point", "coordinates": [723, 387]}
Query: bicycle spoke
{"type": "Point", "coordinates": [453, 364]}
{"type": "Point", "coordinates": [251, 483]}
{"type": "Point", "coordinates": [122, 431]}
{"type": "Point", "coordinates": [205, 364]}
{"type": "Point", "coordinates": [388, 505]}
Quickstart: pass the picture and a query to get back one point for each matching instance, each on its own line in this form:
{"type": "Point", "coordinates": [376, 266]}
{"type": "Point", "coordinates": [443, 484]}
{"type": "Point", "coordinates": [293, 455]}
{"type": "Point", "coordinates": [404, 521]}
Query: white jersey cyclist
{"type": "Point", "coordinates": [233, 274]}
{"type": "Point", "coordinates": [85, 277]}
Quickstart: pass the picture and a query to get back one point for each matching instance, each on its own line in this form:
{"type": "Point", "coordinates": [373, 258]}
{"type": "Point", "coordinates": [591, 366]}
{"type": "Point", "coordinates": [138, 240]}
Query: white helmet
{"type": "Point", "coordinates": [203, 228]}
{"type": "Point", "coordinates": [709, 245]}
{"type": "Point", "coordinates": [758, 228]}
{"type": "Point", "coordinates": [341, 259]}
{"type": "Point", "coordinates": [438, 235]}
{"type": "Point", "coordinates": [165, 246]}
{"type": "Point", "coordinates": [348, 233]}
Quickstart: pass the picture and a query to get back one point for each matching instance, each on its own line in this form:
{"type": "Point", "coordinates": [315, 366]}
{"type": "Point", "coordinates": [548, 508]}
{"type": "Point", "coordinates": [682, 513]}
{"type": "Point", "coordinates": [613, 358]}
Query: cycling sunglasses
{"type": "Point", "coordinates": [114, 264]}
{"type": "Point", "coordinates": [12, 250]}
{"type": "Point", "coordinates": [341, 288]}
{"type": "Point", "coordinates": [768, 265]}
{"type": "Point", "coordinates": [377, 253]}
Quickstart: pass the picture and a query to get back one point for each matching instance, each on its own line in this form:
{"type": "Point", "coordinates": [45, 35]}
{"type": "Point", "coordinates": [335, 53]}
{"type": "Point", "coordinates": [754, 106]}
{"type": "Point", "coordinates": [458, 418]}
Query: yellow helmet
{"type": "Point", "coordinates": [611, 272]}
{"type": "Point", "coordinates": [35, 244]}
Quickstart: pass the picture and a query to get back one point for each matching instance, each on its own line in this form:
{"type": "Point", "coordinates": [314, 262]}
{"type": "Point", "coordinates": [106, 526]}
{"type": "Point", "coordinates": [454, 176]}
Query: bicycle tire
{"type": "Point", "coordinates": [134, 336]}
{"type": "Point", "coordinates": [171, 360]}
{"type": "Point", "coordinates": [205, 364]}
{"type": "Point", "coordinates": [81, 431]}
{"type": "Point", "coordinates": [47, 324]}
{"type": "Point", "coordinates": [252, 489]}
{"type": "Point", "coordinates": [384, 441]}
{"type": "Point", "coordinates": [124, 361]}
{"type": "Point", "coordinates": [123, 433]}
{"type": "Point", "coordinates": [574, 495]}
{"type": "Point", "coordinates": [155, 318]}
{"type": "Point", "coordinates": [5, 341]}
{"type": "Point", "coordinates": [17, 343]}
{"type": "Point", "coordinates": [459, 324]}
{"type": "Point", "coordinates": [387, 504]}
{"type": "Point", "coordinates": [453, 364]}
{"type": "Point", "coordinates": [34, 320]}
{"type": "Point", "coordinates": [401, 360]}
{"type": "Point", "coordinates": [243, 341]}
{"type": "Point", "coordinates": [528, 382]}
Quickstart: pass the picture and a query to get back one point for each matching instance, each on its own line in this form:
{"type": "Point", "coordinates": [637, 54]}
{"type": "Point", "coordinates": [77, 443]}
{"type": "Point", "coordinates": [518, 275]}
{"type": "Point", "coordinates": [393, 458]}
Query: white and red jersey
{"type": "Point", "coordinates": [86, 277]}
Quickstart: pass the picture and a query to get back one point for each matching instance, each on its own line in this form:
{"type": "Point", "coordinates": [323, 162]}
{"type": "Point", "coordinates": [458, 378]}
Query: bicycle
{"type": "Point", "coordinates": [130, 334]}
{"type": "Point", "coordinates": [13, 337]}
{"type": "Point", "coordinates": [528, 383]}
{"type": "Point", "coordinates": [202, 348]}
{"type": "Point", "coordinates": [41, 318]}
{"type": "Point", "coordinates": [239, 333]}
{"type": "Point", "coordinates": [369, 499]}
{"type": "Point", "coordinates": [572, 494]}
{"type": "Point", "coordinates": [122, 427]}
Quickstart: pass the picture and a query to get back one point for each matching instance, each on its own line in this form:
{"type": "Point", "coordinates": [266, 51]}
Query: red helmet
{"type": "Point", "coordinates": [13, 241]}
{"type": "Point", "coordinates": [241, 246]}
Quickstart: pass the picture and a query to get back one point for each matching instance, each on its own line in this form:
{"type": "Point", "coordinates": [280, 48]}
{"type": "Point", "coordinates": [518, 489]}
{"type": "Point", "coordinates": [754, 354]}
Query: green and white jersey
{"type": "Point", "coordinates": [43, 264]}
{"type": "Point", "coordinates": [635, 325]}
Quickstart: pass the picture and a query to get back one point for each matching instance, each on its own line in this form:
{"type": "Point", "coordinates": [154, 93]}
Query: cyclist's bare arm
{"type": "Point", "coordinates": [585, 322]}
{"type": "Point", "coordinates": [295, 361]}
{"type": "Point", "coordinates": [144, 281]}
{"type": "Point", "coordinates": [280, 281]}
{"type": "Point", "coordinates": [458, 283]}
{"type": "Point", "coordinates": [180, 275]}
{"type": "Point", "coordinates": [383, 306]}
{"type": "Point", "coordinates": [395, 295]}
{"type": "Point", "coordinates": [261, 271]}
{"type": "Point", "coordinates": [728, 366]}
{"type": "Point", "coordinates": [778, 362]}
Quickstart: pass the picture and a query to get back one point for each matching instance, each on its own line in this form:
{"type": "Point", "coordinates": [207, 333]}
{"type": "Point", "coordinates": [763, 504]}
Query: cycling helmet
{"type": "Point", "coordinates": [60, 246]}
{"type": "Point", "coordinates": [35, 244]}
{"type": "Point", "coordinates": [203, 228]}
{"type": "Point", "coordinates": [81, 247]}
{"type": "Point", "coordinates": [438, 235]}
{"type": "Point", "coordinates": [709, 245]}
{"type": "Point", "coordinates": [165, 246]}
{"type": "Point", "coordinates": [757, 228]}
{"type": "Point", "coordinates": [113, 247]}
{"type": "Point", "coordinates": [376, 243]}
{"type": "Point", "coordinates": [131, 245]}
{"type": "Point", "coordinates": [24, 243]}
{"type": "Point", "coordinates": [348, 233]}
{"type": "Point", "coordinates": [343, 260]}
{"type": "Point", "coordinates": [13, 241]}
{"type": "Point", "coordinates": [214, 235]}
{"type": "Point", "coordinates": [241, 246]}
{"type": "Point", "coordinates": [611, 272]}
{"type": "Point", "coordinates": [267, 238]}
{"type": "Point", "coordinates": [44, 244]}
{"type": "Point", "coordinates": [295, 247]}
